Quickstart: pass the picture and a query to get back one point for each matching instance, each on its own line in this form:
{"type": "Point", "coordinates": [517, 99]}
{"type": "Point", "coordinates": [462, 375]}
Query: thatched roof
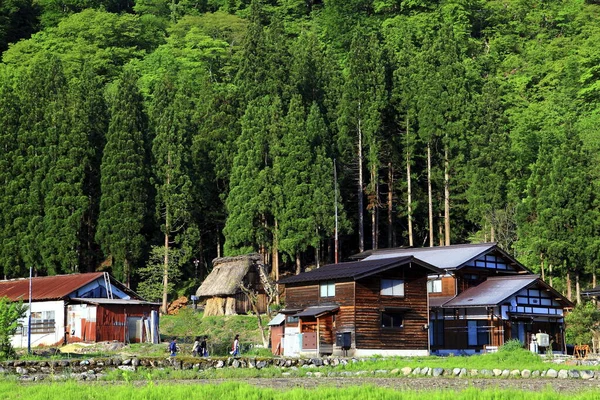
{"type": "Point", "coordinates": [227, 273]}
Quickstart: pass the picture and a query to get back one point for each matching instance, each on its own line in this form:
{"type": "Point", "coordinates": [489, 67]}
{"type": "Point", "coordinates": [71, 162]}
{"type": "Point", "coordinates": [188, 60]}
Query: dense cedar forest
{"type": "Point", "coordinates": [146, 137]}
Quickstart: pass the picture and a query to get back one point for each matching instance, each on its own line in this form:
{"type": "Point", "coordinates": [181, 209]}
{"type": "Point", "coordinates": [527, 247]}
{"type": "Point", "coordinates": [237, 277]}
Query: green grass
{"type": "Point", "coordinates": [220, 330]}
{"type": "Point", "coordinates": [242, 391]}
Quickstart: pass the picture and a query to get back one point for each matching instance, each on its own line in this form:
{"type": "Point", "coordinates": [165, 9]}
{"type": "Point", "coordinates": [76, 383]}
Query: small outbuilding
{"type": "Point", "coordinates": [89, 307]}
{"type": "Point", "coordinates": [222, 288]}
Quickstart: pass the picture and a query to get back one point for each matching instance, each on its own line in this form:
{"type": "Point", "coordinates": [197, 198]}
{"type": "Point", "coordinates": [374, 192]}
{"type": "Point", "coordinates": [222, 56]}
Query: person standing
{"type": "Point", "coordinates": [235, 348]}
{"type": "Point", "coordinates": [203, 349]}
{"type": "Point", "coordinates": [173, 347]}
{"type": "Point", "coordinates": [196, 347]}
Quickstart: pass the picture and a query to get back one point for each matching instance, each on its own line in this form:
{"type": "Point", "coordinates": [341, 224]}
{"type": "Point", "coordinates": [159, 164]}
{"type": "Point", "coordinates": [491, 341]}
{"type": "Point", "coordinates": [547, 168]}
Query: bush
{"type": "Point", "coordinates": [10, 312]}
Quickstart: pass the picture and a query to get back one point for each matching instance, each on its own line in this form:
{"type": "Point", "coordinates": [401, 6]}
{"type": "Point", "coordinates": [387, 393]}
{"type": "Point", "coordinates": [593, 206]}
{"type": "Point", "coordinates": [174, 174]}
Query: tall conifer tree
{"type": "Point", "coordinates": [124, 181]}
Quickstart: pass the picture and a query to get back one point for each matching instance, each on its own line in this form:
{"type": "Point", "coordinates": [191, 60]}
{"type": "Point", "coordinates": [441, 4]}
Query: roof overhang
{"type": "Point", "coordinates": [317, 311]}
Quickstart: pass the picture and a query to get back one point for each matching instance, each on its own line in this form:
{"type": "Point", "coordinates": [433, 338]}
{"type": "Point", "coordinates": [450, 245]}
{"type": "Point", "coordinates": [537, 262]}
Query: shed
{"type": "Point", "coordinates": [221, 288]}
{"type": "Point", "coordinates": [112, 311]}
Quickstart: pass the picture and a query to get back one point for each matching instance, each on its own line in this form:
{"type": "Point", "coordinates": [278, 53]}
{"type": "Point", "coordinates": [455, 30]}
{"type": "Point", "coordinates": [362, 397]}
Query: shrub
{"type": "Point", "coordinates": [10, 312]}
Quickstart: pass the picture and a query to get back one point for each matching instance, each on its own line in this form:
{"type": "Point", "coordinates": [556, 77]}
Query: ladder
{"type": "Point", "coordinates": [109, 293]}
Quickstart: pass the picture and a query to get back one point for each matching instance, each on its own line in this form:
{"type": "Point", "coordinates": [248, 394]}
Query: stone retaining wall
{"type": "Point", "coordinates": [94, 368]}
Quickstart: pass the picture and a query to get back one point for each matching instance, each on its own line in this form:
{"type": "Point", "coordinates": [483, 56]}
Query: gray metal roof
{"type": "Point", "coordinates": [356, 270]}
{"type": "Point", "coordinates": [445, 257]}
{"type": "Point", "coordinates": [491, 292]}
{"type": "Point", "coordinates": [277, 320]}
{"type": "Point", "coordinates": [317, 311]}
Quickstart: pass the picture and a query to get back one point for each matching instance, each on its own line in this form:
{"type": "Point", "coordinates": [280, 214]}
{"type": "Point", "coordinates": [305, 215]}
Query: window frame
{"type": "Point", "coordinates": [431, 285]}
{"type": "Point", "coordinates": [394, 284]}
{"type": "Point", "coordinates": [327, 289]}
{"type": "Point", "coordinates": [392, 316]}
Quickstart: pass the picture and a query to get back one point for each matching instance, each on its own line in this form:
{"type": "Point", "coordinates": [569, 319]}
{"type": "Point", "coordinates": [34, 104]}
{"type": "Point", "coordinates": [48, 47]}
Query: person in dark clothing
{"type": "Point", "coordinates": [203, 349]}
{"type": "Point", "coordinates": [173, 347]}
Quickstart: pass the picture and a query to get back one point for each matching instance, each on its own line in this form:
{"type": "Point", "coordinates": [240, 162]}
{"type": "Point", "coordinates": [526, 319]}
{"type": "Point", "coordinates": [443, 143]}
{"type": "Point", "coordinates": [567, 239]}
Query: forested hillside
{"type": "Point", "coordinates": [147, 137]}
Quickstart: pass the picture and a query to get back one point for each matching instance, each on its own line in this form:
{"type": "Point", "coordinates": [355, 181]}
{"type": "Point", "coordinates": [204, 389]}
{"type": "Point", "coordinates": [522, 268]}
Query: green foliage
{"type": "Point", "coordinates": [124, 182]}
{"type": "Point", "coordinates": [151, 275]}
{"type": "Point", "coordinates": [10, 313]}
{"type": "Point", "coordinates": [582, 324]}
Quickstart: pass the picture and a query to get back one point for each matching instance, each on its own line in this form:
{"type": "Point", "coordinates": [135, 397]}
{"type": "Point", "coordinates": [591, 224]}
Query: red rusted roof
{"type": "Point", "coordinates": [46, 287]}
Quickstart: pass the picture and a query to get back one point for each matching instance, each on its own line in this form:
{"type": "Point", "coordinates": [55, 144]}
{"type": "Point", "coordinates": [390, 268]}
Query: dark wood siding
{"type": "Point", "coordinates": [370, 304]}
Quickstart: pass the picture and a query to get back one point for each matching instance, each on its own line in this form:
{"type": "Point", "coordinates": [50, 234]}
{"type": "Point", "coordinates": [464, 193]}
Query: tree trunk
{"type": "Point", "coordinates": [440, 230]}
{"type": "Point", "coordinates": [409, 195]}
{"type": "Point", "coordinates": [298, 264]}
{"type": "Point", "coordinates": [550, 275]}
{"type": "Point", "coordinates": [374, 208]}
{"type": "Point", "coordinates": [429, 199]}
{"type": "Point", "coordinates": [446, 197]}
{"type": "Point", "coordinates": [165, 275]}
{"type": "Point", "coordinates": [390, 207]}
{"type": "Point", "coordinates": [577, 288]}
{"type": "Point", "coordinates": [275, 256]}
{"type": "Point", "coordinates": [218, 243]}
{"type": "Point", "coordinates": [569, 288]}
{"type": "Point", "coordinates": [492, 234]}
{"type": "Point", "coordinates": [361, 225]}
{"type": "Point", "coordinates": [126, 273]}
{"type": "Point", "coordinates": [542, 266]}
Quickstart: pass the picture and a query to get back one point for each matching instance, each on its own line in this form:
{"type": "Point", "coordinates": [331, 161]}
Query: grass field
{"type": "Point", "coordinates": [242, 391]}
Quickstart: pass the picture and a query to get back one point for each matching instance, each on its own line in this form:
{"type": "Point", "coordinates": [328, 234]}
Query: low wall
{"type": "Point", "coordinates": [94, 368]}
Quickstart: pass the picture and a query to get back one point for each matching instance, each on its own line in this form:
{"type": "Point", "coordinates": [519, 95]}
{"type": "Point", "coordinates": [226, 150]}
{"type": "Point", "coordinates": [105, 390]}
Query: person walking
{"type": "Point", "coordinates": [235, 348]}
{"type": "Point", "coordinates": [196, 347]}
{"type": "Point", "coordinates": [173, 347]}
{"type": "Point", "coordinates": [203, 349]}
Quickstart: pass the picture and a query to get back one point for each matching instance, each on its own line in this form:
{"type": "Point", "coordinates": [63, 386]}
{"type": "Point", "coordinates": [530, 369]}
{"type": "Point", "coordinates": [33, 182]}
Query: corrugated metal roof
{"type": "Point", "coordinates": [46, 287]}
{"type": "Point", "coordinates": [355, 270]}
{"type": "Point", "coordinates": [115, 301]}
{"type": "Point", "coordinates": [445, 257]}
{"type": "Point", "coordinates": [277, 320]}
{"type": "Point", "coordinates": [491, 292]}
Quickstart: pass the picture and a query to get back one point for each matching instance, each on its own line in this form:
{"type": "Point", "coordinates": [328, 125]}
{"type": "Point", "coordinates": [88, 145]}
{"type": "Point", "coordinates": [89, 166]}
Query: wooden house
{"type": "Point", "coordinates": [221, 289]}
{"type": "Point", "coordinates": [88, 307]}
{"type": "Point", "coordinates": [359, 308]}
{"type": "Point", "coordinates": [484, 298]}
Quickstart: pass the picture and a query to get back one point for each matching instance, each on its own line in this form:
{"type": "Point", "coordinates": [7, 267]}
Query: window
{"type": "Point", "coordinates": [328, 289]}
{"type": "Point", "coordinates": [392, 287]}
{"type": "Point", "coordinates": [292, 319]}
{"type": "Point", "coordinates": [434, 286]}
{"type": "Point", "coordinates": [392, 320]}
{"type": "Point", "coordinates": [43, 322]}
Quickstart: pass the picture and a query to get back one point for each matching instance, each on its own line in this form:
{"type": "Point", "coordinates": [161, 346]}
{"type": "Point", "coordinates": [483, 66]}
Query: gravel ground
{"type": "Point", "coordinates": [419, 384]}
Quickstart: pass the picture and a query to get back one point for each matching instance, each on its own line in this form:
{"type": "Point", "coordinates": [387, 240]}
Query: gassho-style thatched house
{"type": "Point", "coordinates": [221, 288]}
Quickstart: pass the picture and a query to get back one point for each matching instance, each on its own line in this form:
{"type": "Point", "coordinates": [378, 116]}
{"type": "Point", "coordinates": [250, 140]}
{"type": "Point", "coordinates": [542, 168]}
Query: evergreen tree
{"type": "Point", "coordinates": [250, 202]}
{"type": "Point", "coordinates": [171, 154]}
{"type": "Point", "coordinates": [124, 182]}
{"type": "Point", "coordinates": [360, 115]}
{"type": "Point", "coordinates": [65, 202]}
{"type": "Point", "coordinates": [44, 119]}
{"type": "Point", "coordinates": [10, 111]}
{"type": "Point", "coordinates": [90, 122]}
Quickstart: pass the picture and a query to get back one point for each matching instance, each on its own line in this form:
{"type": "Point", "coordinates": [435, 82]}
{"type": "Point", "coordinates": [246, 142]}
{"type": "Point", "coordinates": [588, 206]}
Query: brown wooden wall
{"type": "Point", "coordinates": [448, 287]}
{"type": "Point", "coordinates": [111, 320]}
{"type": "Point", "coordinates": [363, 317]}
{"type": "Point", "coordinates": [370, 304]}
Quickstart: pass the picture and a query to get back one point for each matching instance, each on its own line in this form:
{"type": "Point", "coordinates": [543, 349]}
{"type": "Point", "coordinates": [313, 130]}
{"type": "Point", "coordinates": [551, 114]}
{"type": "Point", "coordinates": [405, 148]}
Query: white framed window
{"type": "Point", "coordinates": [43, 322]}
{"type": "Point", "coordinates": [327, 289]}
{"type": "Point", "coordinates": [434, 286]}
{"type": "Point", "coordinates": [392, 287]}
